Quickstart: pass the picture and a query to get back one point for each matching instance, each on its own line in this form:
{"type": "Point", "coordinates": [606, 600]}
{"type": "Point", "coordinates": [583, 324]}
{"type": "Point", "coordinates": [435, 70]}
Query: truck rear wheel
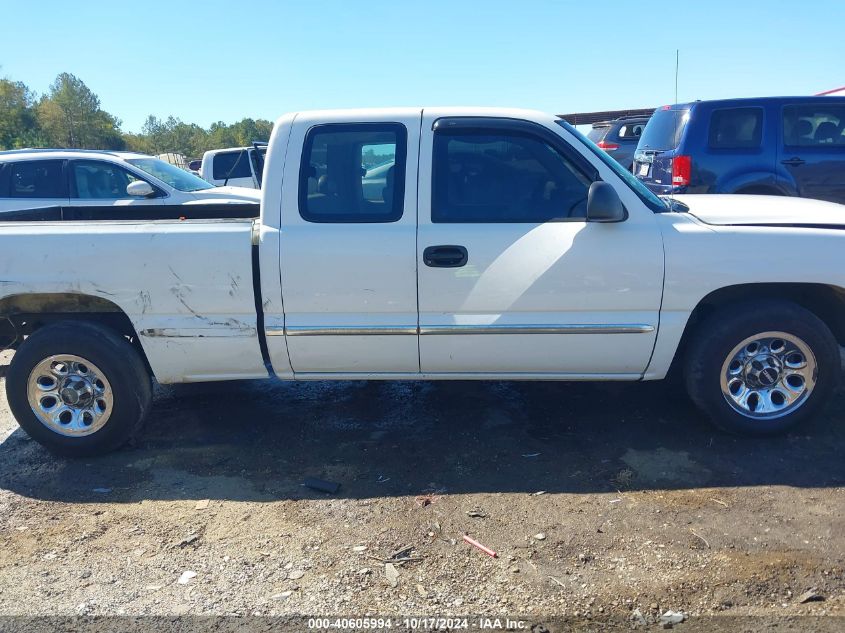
{"type": "Point", "coordinates": [761, 368]}
{"type": "Point", "coordinates": [78, 389]}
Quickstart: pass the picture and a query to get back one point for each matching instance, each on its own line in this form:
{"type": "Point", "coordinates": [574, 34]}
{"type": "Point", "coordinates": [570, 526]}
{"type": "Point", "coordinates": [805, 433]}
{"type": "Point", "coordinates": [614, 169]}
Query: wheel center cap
{"type": "Point", "coordinates": [77, 393]}
{"type": "Point", "coordinates": [763, 370]}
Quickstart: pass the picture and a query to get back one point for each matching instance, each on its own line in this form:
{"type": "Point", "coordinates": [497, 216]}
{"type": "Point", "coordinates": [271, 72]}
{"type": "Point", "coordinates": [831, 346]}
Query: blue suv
{"type": "Point", "coordinates": [791, 146]}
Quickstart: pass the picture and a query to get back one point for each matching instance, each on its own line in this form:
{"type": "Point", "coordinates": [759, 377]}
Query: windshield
{"type": "Point", "coordinates": [664, 130]}
{"type": "Point", "coordinates": [651, 200]}
{"type": "Point", "coordinates": [172, 175]}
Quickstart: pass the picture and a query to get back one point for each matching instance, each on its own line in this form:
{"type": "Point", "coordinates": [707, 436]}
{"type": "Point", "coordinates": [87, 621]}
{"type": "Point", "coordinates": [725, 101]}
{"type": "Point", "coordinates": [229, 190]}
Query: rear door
{"type": "Point", "coordinates": [348, 260]}
{"type": "Point", "coordinates": [31, 184]}
{"type": "Point", "coordinates": [812, 152]}
{"type": "Point", "coordinates": [512, 278]}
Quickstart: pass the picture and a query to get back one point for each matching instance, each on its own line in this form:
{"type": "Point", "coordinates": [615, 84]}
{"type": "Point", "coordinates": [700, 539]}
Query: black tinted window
{"type": "Point", "coordinates": [664, 130]}
{"type": "Point", "coordinates": [736, 128]}
{"type": "Point", "coordinates": [37, 179]}
{"type": "Point", "coordinates": [353, 173]}
{"type": "Point", "coordinates": [99, 180]}
{"type": "Point", "coordinates": [504, 177]}
{"type": "Point", "coordinates": [231, 165]}
{"type": "Point", "coordinates": [814, 125]}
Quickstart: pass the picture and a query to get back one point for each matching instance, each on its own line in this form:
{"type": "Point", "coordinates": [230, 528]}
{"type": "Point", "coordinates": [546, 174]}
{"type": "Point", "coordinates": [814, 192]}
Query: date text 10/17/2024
{"type": "Point", "coordinates": [418, 624]}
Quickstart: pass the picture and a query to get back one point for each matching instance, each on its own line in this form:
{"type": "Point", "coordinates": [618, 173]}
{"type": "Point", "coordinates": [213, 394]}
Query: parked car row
{"type": "Point", "coordinates": [786, 146]}
{"type": "Point", "coordinates": [87, 184]}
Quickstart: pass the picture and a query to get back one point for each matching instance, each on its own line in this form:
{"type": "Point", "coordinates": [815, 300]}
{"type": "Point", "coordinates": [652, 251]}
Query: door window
{"type": "Point", "coordinates": [736, 128]}
{"type": "Point", "coordinates": [37, 179]}
{"type": "Point", "coordinates": [98, 180]}
{"type": "Point", "coordinates": [504, 177]}
{"type": "Point", "coordinates": [353, 173]}
{"type": "Point", "coordinates": [814, 125]}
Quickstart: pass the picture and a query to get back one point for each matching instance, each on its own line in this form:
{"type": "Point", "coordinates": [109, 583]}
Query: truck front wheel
{"type": "Point", "coordinates": [78, 389]}
{"type": "Point", "coordinates": [761, 368]}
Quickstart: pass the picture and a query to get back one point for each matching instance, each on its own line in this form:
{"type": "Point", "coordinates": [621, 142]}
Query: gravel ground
{"type": "Point", "coordinates": [602, 501]}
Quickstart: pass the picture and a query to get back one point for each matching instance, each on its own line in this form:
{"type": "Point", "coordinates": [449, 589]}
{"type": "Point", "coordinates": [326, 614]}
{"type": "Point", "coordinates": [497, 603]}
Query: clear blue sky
{"type": "Point", "coordinates": [213, 60]}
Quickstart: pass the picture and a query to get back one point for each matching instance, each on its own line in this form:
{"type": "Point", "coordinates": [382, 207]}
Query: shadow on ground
{"type": "Point", "coordinates": [256, 441]}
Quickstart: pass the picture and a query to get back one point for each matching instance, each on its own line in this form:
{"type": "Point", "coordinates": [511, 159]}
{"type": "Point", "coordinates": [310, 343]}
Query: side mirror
{"type": "Point", "coordinates": [604, 205]}
{"type": "Point", "coordinates": [140, 189]}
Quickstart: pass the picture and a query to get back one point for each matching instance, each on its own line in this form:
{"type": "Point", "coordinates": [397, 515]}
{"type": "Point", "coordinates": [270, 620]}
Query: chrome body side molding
{"type": "Point", "coordinates": [428, 330]}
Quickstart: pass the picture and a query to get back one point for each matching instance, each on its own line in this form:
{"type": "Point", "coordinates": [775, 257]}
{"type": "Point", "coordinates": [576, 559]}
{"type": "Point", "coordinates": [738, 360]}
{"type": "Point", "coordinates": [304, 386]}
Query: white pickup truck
{"type": "Point", "coordinates": [499, 244]}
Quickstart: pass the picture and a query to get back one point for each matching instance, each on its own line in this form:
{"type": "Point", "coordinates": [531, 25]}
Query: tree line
{"type": "Point", "coordinates": [69, 115]}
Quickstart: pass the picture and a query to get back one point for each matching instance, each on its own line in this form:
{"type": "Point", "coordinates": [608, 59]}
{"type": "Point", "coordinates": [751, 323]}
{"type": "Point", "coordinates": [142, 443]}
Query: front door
{"type": "Point", "coordinates": [813, 149]}
{"type": "Point", "coordinates": [512, 278]}
{"type": "Point", "coordinates": [98, 191]}
{"type": "Point", "coordinates": [348, 248]}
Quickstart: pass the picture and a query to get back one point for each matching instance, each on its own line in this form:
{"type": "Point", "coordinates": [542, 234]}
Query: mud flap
{"type": "Point", "coordinates": [8, 334]}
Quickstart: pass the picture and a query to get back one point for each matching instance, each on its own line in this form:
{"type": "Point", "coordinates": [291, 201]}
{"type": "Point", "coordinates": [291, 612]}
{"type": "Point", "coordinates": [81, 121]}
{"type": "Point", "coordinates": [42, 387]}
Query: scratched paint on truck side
{"type": "Point", "coordinates": [188, 283]}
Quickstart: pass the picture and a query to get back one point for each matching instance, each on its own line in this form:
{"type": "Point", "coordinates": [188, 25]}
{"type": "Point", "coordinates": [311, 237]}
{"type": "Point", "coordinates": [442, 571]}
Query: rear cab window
{"type": "Point", "coordinates": [736, 128]}
{"type": "Point", "coordinates": [353, 173]}
{"type": "Point", "coordinates": [231, 165]}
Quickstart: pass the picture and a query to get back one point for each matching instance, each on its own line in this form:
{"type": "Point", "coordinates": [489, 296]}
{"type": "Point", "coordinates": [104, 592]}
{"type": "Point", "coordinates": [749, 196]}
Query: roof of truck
{"type": "Point", "coordinates": [363, 115]}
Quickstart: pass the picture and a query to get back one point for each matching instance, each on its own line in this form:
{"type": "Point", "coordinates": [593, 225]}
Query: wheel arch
{"type": "Point", "coordinates": [756, 182]}
{"type": "Point", "coordinates": [24, 313]}
{"type": "Point", "coordinates": [826, 301]}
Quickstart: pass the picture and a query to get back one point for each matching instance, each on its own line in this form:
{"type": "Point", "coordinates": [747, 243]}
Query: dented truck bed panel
{"type": "Point", "coordinates": [187, 287]}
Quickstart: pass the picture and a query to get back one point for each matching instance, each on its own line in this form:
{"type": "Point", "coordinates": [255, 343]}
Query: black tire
{"type": "Point", "coordinates": [721, 332]}
{"type": "Point", "coordinates": [122, 366]}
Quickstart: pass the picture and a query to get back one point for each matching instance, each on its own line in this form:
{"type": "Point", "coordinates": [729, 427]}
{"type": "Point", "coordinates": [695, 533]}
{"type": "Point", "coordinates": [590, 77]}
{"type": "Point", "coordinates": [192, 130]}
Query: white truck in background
{"type": "Point", "coordinates": [483, 244]}
{"type": "Point", "coordinates": [234, 166]}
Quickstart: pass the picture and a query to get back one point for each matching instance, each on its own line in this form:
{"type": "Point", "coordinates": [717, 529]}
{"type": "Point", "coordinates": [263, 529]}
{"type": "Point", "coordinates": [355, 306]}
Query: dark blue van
{"type": "Point", "coordinates": [790, 146]}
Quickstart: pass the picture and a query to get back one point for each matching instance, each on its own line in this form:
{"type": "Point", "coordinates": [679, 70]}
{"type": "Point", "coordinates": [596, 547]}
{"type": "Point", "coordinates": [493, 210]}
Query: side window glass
{"type": "Point", "coordinates": [736, 128]}
{"type": "Point", "coordinates": [353, 173]}
{"type": "Point", "coordinates": [504, 177]}
{"type": "Point", "coordinates": [37, 179]}
{"type": "Point", "coordinates": [814, 125]}
{"type": "Point", "coordinates": [631, 131]}
{"type": "Point", "coordinates": [98, 180]}
{"type": "Point", "coordinates": [231, 165]}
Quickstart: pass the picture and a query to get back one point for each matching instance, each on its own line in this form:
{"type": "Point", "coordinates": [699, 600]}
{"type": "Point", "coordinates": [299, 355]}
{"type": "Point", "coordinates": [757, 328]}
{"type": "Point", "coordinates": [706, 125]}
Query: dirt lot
{"type": "Point", "coordinates": [644, 507]}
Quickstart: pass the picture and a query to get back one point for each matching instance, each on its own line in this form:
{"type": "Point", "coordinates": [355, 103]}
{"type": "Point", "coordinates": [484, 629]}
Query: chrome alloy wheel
{"type": "Point", "coordinates": [69, 395]}
{"type": "Point", "coordinates": [769, 375]}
